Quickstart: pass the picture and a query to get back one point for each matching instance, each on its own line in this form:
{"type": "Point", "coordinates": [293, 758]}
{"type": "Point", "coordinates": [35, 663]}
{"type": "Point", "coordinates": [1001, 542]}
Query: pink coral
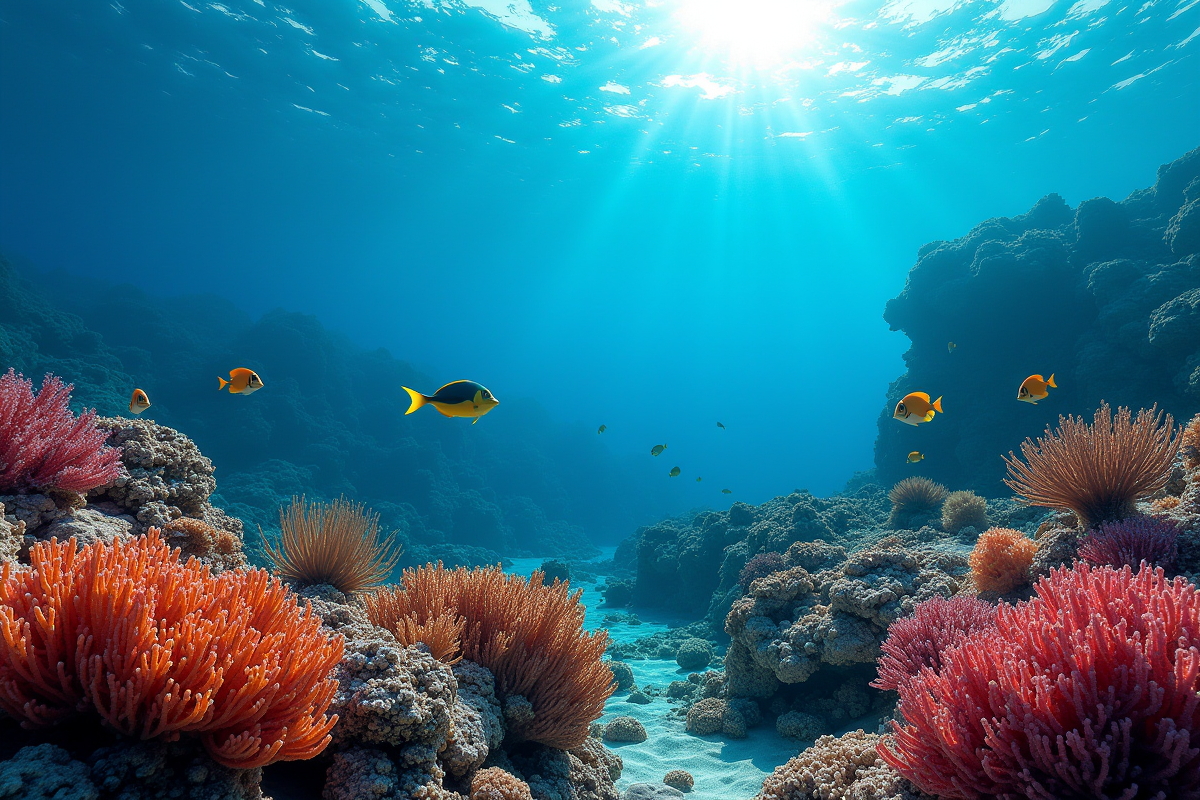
{"type": "Point", "coordinates": [1132, 541]}
{"type": "Point", "coordinates": [1090, 689]}
{"type": "Point", "coordinates": [918, 640]}
{"type": "Point", "coordinates": [44, 446]}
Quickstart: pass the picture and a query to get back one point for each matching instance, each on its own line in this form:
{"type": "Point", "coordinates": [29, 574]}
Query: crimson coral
{"type": "Point", "coordinates": [44, 446]}
{"type": "Point", "coordinates": [1088, 690]}
{"type": "Point", "coordinates": [159, 648]}
{"type": "Point", "coordinates": [918, 640]}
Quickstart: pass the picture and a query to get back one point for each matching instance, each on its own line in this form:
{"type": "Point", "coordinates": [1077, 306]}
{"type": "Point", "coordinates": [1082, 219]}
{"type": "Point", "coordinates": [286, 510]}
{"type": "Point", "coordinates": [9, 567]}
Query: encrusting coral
{"type": "Point", "coordinates": [1090, 689]}
{"type": "Point", "coordinates": [912, 496]}
{"type": "Point", "coordinates": [839, 768]}
{"type": "Point", "coordinates": [229, 657]}
{"type": "Point", "coordinates": [1129, 542]}
{"type": "Point", "coordinates": [1001, 560]}
{"type": "Point", "coordinates": [494, 783]}
{"type": "Point", "coordinates": [963, 509]}
{"type": "Point", "coordinates": [1098, 471]}
{"type": "Point", "coordinates": [919, 639]}
{"type": "Point", "coordinates": [679, 779]}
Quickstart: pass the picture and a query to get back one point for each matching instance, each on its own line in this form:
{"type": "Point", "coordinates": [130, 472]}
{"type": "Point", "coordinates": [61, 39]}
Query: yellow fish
{"type": "Point", "coordinates": [698, 479]}
{"type": "Point", "coordinates": [727, 491]}
{"type": "Point", "coordinates": [1034, 388]}
{"type": "Point", "coordinates": [950, 347]}
{"type": "Point", "coordinates": [602, 429]}
{"type": "Point", "coordinates": [139, 402]}
{"type": "Point", "coordinates": [915, 456]}
{"type": "Point", "coordinates": [241, 381]}
{"type": "Point", "coordinates": [657, 449]}
{"type": "Point", "coordinates": [674, 472]}
{"type": "Point", "coordinates": [719, 425]}
{"type": "Point", "coordinates": [915, 408]}
{"type": "Point", "coordinates": [455, 399]}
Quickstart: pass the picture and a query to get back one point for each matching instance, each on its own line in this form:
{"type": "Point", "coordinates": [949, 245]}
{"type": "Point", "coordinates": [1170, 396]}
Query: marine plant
{"type": "Point", "coordinates": [337, 543]}
{"type": "Point", "coordinates": [44, 446]}
{"type": "Point", "coordinates": [528, 634]}
{"type": "Point", "coordinates": [1099, 471]}
{"type": "Point", "coordinates": [912, 496]}
{"type": "Point", "coordinates": [760, 566]}
{"type": "Point", "coordinates": [963, 509]}
{"type": "Point", "coordinates": [919, 639]}
{"type": "Point", "coordinates": [159, 648]}
{"type": "Point", "coordinates": [1001, 559]}
{"type": "Point", "coordinates": [1132, 541]}
{"type": "Point", "coordinates": [1090, 689]}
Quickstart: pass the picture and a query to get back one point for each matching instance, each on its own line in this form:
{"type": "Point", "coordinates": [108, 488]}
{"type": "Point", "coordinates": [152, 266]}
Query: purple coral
{"type": "Point", "coordinates": [44, 446]}
{"type": "Point", "coordinates": [919, 640]}
{"type": "Point", "coordinates": [1132, 541]}
{"type": "Point", "coordinates": [760, 566]}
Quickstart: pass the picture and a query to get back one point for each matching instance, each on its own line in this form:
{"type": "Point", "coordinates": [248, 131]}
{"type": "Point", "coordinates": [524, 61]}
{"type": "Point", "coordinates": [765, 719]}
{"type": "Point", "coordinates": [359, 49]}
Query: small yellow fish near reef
{"type": "Point", "coordinates": [950, 347]}
{"type": "Point", "coordinates": [698, 479]}
{"type": "Point", "coordinates": [657, 449]}
{"type": "Point", "coordinates": [602, 429]}
{"type": "Point", "coordinates": [915, 456]}
{"type": "Point", "coordinates": [241, 381]}
{"type": "Point", "coordinates": [674, 472]}
{"type": "Point", "coordinates": [727, 491]}
{"type": "Point", "coordinates": [915, 408]}
{"type": "Point", "coordinates": [1034, 388]}
{"type": "Point", "coordinates": [456, 399]}
{"type": "Point", "coordinates": [139, 402]}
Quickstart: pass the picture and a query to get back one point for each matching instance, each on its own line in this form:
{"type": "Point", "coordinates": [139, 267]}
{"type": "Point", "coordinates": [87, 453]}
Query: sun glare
{"type": "Point", "coordinates": [754, 32]}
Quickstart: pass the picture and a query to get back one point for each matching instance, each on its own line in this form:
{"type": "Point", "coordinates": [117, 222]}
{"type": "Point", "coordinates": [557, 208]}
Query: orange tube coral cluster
{"type": "Point", "coordinates": [530, 636]}
{"type": "Point", "coordinates": [158, 648]}
{"type": "Point", "coordinates": [1001, 559]}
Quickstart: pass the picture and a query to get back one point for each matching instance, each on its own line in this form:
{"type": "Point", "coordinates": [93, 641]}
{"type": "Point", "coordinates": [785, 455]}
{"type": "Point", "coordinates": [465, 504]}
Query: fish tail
{"type": "Point", "coordinates": [224, 383]}
{"type": "Point", "coordinates": [1051, 382]}
{"type": "Point", "coordinates": [937, 406]}
{"type": "Point", "coordinates": [418, 399]}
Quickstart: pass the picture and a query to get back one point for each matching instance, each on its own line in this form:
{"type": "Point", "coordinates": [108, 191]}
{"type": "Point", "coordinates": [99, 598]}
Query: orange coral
{"type": "Point", "coordinates": [529, 635]}
{"type": "Point", "coordinates": [158, 647]}
{"type": "Point", "coordinates": [1001, 559]}
{"type": "Point", "coordinates": [494, 783]}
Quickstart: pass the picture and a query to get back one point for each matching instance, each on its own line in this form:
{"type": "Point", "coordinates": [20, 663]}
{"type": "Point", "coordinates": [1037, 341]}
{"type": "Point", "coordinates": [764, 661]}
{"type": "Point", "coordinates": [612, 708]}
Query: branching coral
{"type": "Point", "coordinates": [759, 566]}
{"type": "Point", "coordinates": [918, 640]}
{"type": "Point", "coordinates": [1099, 471]}
{"type": "Point", "coordinates": [962, 509]}
{"type": "Point", "coordinates": [1132, 541]}
{"type": "Point", "coordinates": [1001, 559]}
{"type": "Point", "coordinates": [422, 612]}
{"type": "Point", "coordinates": [338, 544]}
{"type": "Point", "coordinates": [529, 635]}
{"type": "Point", "coordinates": [157, 647]}
{"type": "Point", "coordinates": [1087, 690]}
{"type": "Point", "coordinates": [44, 446]}
{"type": "Point", "coordinates": [914, 495]}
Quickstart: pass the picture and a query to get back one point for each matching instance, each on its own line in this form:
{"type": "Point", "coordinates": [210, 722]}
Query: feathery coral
{"type": "Point", "coordinates": [1001, 559]}
{"type": "Point", "coordinates": [1132, 541]}
{"type": "Point", "coordinates": [529, 635]}
{"type": "Point", "coordinates": [336, 543]}
{"type": "Point", "coordinates": [158, 648]}
{"type": "Point", "coordinates": [44, 446]}
{"type": "Point", "coordinates": [964, 508]}
{"type": "Point", "coordinates": [913, 495]}
{"type": "Point", "coordinates": [1087, 690]}
{"type": "Point", "coordinates": [918, 640]}
{"type": "Point", "coordinates": [1099, 471]}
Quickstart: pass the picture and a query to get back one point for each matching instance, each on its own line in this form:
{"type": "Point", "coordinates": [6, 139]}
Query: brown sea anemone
{"type": "Point", "coordinates": [913, 496]}
{"type": "Point", "coordinates": [964, 509]}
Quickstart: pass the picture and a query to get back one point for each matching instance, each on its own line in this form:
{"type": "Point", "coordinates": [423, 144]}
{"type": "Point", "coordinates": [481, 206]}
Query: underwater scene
{"type": "Point", "coordinates": [600, 400]}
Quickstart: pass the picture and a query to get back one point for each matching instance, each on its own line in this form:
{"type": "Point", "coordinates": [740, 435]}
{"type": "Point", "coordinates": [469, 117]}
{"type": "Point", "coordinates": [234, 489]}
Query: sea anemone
{"type": "Point", "coordinates": [918, 640]}
{"type": "Point", "coordinates": [1089, 689]}
{"type": "Point", "coordinates": [1001, 559]}
{"type": "Point", "coordinates": [759, 566]}
{"type": "Point", "coordinates": [964, 509]}
{"type": "Point", "coordinates": [1099, 471]}
{"type": "Point", "coordinates": [912, 496]}
{"type": "Point", "coordinates": [1129, 542]}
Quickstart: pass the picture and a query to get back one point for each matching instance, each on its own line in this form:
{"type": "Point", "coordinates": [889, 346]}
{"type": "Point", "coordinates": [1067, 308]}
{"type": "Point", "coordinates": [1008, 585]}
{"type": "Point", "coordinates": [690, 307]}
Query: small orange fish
{"type": "Point", "coordinates": [139, 402]}
{"type": "Point", "coordinates": [241, 381]}
{"type": "Point", "coordinates": [915, 408]}
{"type": "Point", "coordinates": [1034, 388]}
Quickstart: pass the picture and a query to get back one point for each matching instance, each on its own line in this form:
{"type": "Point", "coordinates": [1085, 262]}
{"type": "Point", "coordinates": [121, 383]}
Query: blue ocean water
{"type": "Point", "coordinates": [651, 215]}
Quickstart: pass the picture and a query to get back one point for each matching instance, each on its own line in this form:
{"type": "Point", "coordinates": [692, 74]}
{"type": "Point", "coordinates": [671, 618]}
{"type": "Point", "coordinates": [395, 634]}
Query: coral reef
{"type": "Point", "coordinates": [494, 783]}
{"type": "Point", "coordinates": [679, 779]}
{"type": "Point", "coordinates": [911, 497]}
{"type": "Point", "coordinates": [694, 654]}
{"type": "Point", "coordinates": [624, 729]}
{"type": "Point", "coordinates": [964, 509]}
{"type": "Point", "coordinates": [759, 566]}
{"type": "Point", "coordinates": [839, 768]}
{"type": "Point", "coordinates": [1129, 542]}
{"type": "Point", "coordinates": [713, 715]}
{"type": "Point", "coordinates": [622, 675]}
{"type": "Point", "coordinates": [1001, 560]}
{"type": "Point", "coordinates": [919, 639]}
{"type": "Point", "coordinates": [799, 725]}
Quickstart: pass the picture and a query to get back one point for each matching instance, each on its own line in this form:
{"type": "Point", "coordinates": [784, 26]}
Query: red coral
{"type": "Point", "coordinates": [160, 648]}
{"type": "Point", "coordinates": [1132, 541]}
{"type": "Point", "coordinates": [1088, 690]}
{"type": "Point", "coordinates": [44, 446]}
{"type": "Point", "coordinates": [918, 640]}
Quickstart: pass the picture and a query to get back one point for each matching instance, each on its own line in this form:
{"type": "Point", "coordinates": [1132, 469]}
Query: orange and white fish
{"type": "Point", "coordinates": [1034, 388]}
{"type": "Point", "coordinates": [241, 381]}
{"type": "Point", "coordinates": [139, 402]}
{"type": "Point", "coordinates": [915, 408]}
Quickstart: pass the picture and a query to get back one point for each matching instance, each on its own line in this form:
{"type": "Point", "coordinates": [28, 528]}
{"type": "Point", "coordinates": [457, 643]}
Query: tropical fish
{"type": "Point", "coordinates": [455, 399]}
{"type": "Point", "coordinates": [915, 456]}
{"type": "Point", "coordinates": [241, 381]}
{"type": "Point", "coordinates": [1034, 388]}
{"type": "Point", "coordinates": [674, 472]}
{"type": "Point", "coordinates": [139, 402]}
{"type": "Point", "coordinates": [719, 425]}
{"type": "Point", "coordinates": [602, 429]}
{"type": "Point", "coordinates": [950, 347]}
{"type": "Point", "coordinates": [727, 491]}
{"type": "Point", "coordinates": [915, 408]}
{"type": "Point", "coordinates": [698, 479]}
{"type": "Point", "coordinates": [657, 449]}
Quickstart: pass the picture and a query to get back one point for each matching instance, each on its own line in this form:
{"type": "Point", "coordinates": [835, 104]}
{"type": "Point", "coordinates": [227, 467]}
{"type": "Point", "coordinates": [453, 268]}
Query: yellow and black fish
{"type": "Point", "coordinates": [139, 402]}
{"type": "Point", "coordinates": [657, 449]}
{"type": "Point", "coordinates": [1034, 388]}
{"type": "Point", "coordinates": [602, 429]}
{"type": "Point", "coordinates": [456, 399]}
{"type": "Point", "coordinates": [915, 456]}
{"type": "Point", "coordinates": [915, 408]}
{"type": "Point", "coordinates": [698, 479]}
{"type": "Point", "coordinates": [674, 472]}
{"type": "Point", "coordinates": [241, 381]}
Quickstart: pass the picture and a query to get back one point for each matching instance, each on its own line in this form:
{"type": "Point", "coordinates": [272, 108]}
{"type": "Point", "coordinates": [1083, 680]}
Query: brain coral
{"type": "Point", "coordinates": [1001, 559]}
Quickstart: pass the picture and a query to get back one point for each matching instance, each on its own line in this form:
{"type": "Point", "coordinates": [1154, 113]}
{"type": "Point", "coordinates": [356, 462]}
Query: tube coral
{"type": "Point", "coordinates": [1001, 559]}
{"type": "Point", "coordinates": [160, 648]}
{"type": "Point", "coordinates": [336, 543]}
{"type": "Point", "coordinates": [1090, 689]}
{"type": "Point", "coordinates": [1132, 541]}
{"type": "Point", "coordinates": [1099, 471]}
{"type": "Point", "coordinates": [44, 446]}
{"type": "Point", "coordinates": [919, 639]}
{"type": "Point", "coordinates": [529, 635]}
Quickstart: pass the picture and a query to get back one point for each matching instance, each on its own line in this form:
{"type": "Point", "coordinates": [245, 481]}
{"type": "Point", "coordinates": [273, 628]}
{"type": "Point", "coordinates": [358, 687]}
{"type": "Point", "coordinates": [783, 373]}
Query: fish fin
{"type": "Point", "coordinates": [478, 397]}
{"type": "Point", "coordinates": [224, 383]}
{"type": "Point", "coordinates": [418, 400]}
{"type": "Point", "coordinates": [937, 406]}
{"type": "Point", "coordinates": [923, 395]}
{"type": "Point", "coordinates": [1051, 382]}
{"type": "Point", "coordinates": [929, 416]}
{"type": "Point", "coordinates": [476, 420]}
